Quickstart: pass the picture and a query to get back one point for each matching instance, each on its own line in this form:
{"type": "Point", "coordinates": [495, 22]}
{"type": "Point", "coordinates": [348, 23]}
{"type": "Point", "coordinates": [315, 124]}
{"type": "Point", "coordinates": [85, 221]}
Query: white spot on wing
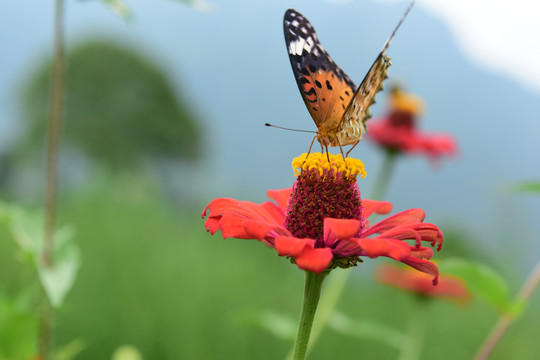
{"type": "Point", "coordinates": [309, 44]}
{"type": "Point", "coordinates": [296, 47]}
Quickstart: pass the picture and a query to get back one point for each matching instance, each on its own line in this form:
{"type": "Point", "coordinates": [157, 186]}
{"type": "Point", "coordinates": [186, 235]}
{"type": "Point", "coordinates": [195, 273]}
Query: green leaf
{"type": "Point", "coordinates": [340, 323]}
{"type": "Point", "coordinates": [482, 281]}
{"type": "Point", "coordinates": [281, 326]}
{"type": "Point", "coordinates": [519, 306]}
{"type": "Point", "coordinates": [26, 228]}
{"type": "Point", "coordinates": [18, 324]}
{"type": "Point", "coordinates": [120, 8]}
{"type": "Point", "coordinates": [530, 186]}
{"type": "Point", "coordinates": [70, 350]}
{"type": "Point", "coordinates": [127, 352]}
{"type": "Point", "coordinates": [58, 279]}
{"type": "Point", "coordinates": [200, 5]}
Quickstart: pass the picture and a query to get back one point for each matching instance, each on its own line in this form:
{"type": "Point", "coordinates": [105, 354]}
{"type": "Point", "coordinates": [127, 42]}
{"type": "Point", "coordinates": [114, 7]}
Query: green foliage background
{"type": "Point", "coordinates": [152, 277]}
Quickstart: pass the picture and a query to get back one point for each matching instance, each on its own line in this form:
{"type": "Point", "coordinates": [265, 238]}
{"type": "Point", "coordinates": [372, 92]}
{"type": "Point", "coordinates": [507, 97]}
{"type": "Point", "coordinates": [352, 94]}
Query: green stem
{"type": "Point", "coordinates": [334, 288]}
{"type": "Point", "coordinates": [53, 142]}
{"type": "Point", "coordinates": [505, 320]}
{"type": "Point", "coordinates": [312, 292]}
{"type": "Point", "coordinates": [412, 348]}
{"type": "Point", "coordinates": [385, 173]}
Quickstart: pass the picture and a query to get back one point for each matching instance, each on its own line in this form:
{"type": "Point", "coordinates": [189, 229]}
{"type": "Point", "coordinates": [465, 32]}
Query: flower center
{"type": "Point", "coordinates": [323, 189]}
{"type": "Point", "coordinates": [328, 165]}
{"type": "Point", "coordinates": [402, 101]}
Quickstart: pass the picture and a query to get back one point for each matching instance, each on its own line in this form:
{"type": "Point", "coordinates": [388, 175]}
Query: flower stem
{"type": "Point", "coordinates": [412, 348]}
{"type": "Point", "coordinates": [385, 173]}
{"type": "Point", "coordinates": [54, 126]}
{"type": "Point", "coordinates": [506, 319]}
{"type": "Point", "coordinates": [312, 292]}
{"type": "Point", "coordinates": [328, 301]}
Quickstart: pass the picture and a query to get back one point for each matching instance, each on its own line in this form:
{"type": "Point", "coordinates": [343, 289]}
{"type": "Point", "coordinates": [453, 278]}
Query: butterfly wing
{"type": "Point", "coordinates": [353, 123]}
{"type": "Point", "coordinates": [325, 88]}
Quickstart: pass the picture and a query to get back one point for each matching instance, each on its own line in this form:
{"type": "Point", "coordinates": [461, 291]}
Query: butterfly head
{"type": "Point", "coordinates": [328, 136]}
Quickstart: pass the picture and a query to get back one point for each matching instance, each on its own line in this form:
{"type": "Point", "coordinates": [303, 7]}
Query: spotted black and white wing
{"type": "Point", "coordinates": [325, 88]}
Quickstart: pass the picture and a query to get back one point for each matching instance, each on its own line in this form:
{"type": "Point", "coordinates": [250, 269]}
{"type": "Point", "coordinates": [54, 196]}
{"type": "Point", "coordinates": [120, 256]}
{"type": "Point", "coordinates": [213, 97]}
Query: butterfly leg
{"type": "Point", "coordinates": [342, 155]}
{"type": "Point", "coordinates": [327, 155]}
{"type": "Point", "coordinates": [310, 146]}
{"type": "Point", "coordinates": [348, 152]}
{"type": "Point", "coordinates": [309, 151]}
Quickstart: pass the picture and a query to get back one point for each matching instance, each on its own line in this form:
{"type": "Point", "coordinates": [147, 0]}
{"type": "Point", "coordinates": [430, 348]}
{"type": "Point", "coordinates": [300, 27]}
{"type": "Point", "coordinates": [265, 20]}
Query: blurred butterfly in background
{"type": "Point", "coordinates": [339, 108]}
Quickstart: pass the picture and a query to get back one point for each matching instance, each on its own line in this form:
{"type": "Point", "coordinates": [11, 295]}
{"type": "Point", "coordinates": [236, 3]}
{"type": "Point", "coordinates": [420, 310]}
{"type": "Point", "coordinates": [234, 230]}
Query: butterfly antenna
{"type": "Point", "coordinates": [284, 128]}
{"type": "Point", "coordinates": [387, 44]}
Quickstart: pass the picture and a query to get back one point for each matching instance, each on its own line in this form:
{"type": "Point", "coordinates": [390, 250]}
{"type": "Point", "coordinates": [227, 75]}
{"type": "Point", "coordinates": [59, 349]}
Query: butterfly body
{"type": "Point", "coordinates": [338, 108]}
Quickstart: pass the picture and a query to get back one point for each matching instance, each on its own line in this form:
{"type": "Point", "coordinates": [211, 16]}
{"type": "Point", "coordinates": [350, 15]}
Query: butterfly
{"type": "Point", "coordinates": [339, 108]}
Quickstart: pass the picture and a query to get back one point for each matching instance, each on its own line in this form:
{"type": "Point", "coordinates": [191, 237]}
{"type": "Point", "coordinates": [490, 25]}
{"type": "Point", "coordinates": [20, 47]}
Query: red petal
{"type": "Point", "coordinates": [374, 247]}
{"type": "Point", "coordinates": [385, 134]}
{"type": "Point", "coordinates": [432, 235]}
{"type": "Point", "coordinates": [436, 145]}
{"type": "Point", "coordinates": [250, 210]}
{"type": "Point", "coordinates": [451, 288]}
{"type": "Point", "coordinates": [281, 197]}
{"type": "Point", "coordinates": [336, 229]}
{"type": "Point", "coordinates": [374, 206]}
{"type": "Point", "coordinates": [347, 247]}
{"type": "Point", "coordinates": [314, 260]}
{"type": "Point", "coordinates": [231, 226]}
{"type": "Point", "coordinates": [423, 265]}
{"type": "Point", "coordinates": [418, 231]}
{"type": "Point", "coordinates": [229, 216]}
{"type": "Point", "coordinates": [218, 206]}
{"type": "Point", "coordinates": [212, 224]}
{"type": "Point", "coordinates": [256, 211]}
{"type": "Point", "coordinates": [407, 216]}
{"type": "Point", "coordinates": [291, 246]}
{"type": "Point", "coordinates": [259, 229]}
{"type": "Point", "coordinates": [421, 252]}
{"type": "Point", "coordinates": [275, 212]}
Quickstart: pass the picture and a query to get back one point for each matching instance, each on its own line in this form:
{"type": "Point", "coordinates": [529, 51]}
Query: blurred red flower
{"type": "Point", "coordinates": [449, 287]}
{"type": "Point", "coordinates": [397, 132]}
{"type": "Point", "coordinates": [321, 223]}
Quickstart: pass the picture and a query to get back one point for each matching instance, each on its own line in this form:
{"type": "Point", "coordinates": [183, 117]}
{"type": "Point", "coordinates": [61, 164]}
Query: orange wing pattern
{"type": "Point", "coordinates": [338, 108]}
{"type": "Point", "coordinates": [325, 88]}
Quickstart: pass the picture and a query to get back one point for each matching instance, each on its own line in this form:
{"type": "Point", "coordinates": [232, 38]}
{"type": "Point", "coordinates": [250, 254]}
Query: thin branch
{"type": "Point", "coordinates": [506, 320]}
{"type": "Point", "coordinates": [53, 144]}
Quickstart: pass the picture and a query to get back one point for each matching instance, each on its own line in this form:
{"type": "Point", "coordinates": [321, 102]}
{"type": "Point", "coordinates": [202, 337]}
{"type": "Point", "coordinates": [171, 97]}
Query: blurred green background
{"type": "Point", "coordinates": [152, 278]}
{"type": "Point", "coordinates": [165, 112]}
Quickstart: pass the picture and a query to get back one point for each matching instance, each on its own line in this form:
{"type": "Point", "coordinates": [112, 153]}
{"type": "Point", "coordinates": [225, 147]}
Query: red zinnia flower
{"type": "Point", "coordinates": [449, 288]}
{"type": "Point", "coordinates": [397, 131]}
{"type": "Point", "coordinates": [321, 223]}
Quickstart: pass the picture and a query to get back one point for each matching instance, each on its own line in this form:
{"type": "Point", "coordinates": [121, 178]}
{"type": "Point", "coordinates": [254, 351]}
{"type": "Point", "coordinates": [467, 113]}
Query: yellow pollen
{"type": "Point", "coordinates": [318, 161]}
{"type": "Point", "coordinates": [407, 102]}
